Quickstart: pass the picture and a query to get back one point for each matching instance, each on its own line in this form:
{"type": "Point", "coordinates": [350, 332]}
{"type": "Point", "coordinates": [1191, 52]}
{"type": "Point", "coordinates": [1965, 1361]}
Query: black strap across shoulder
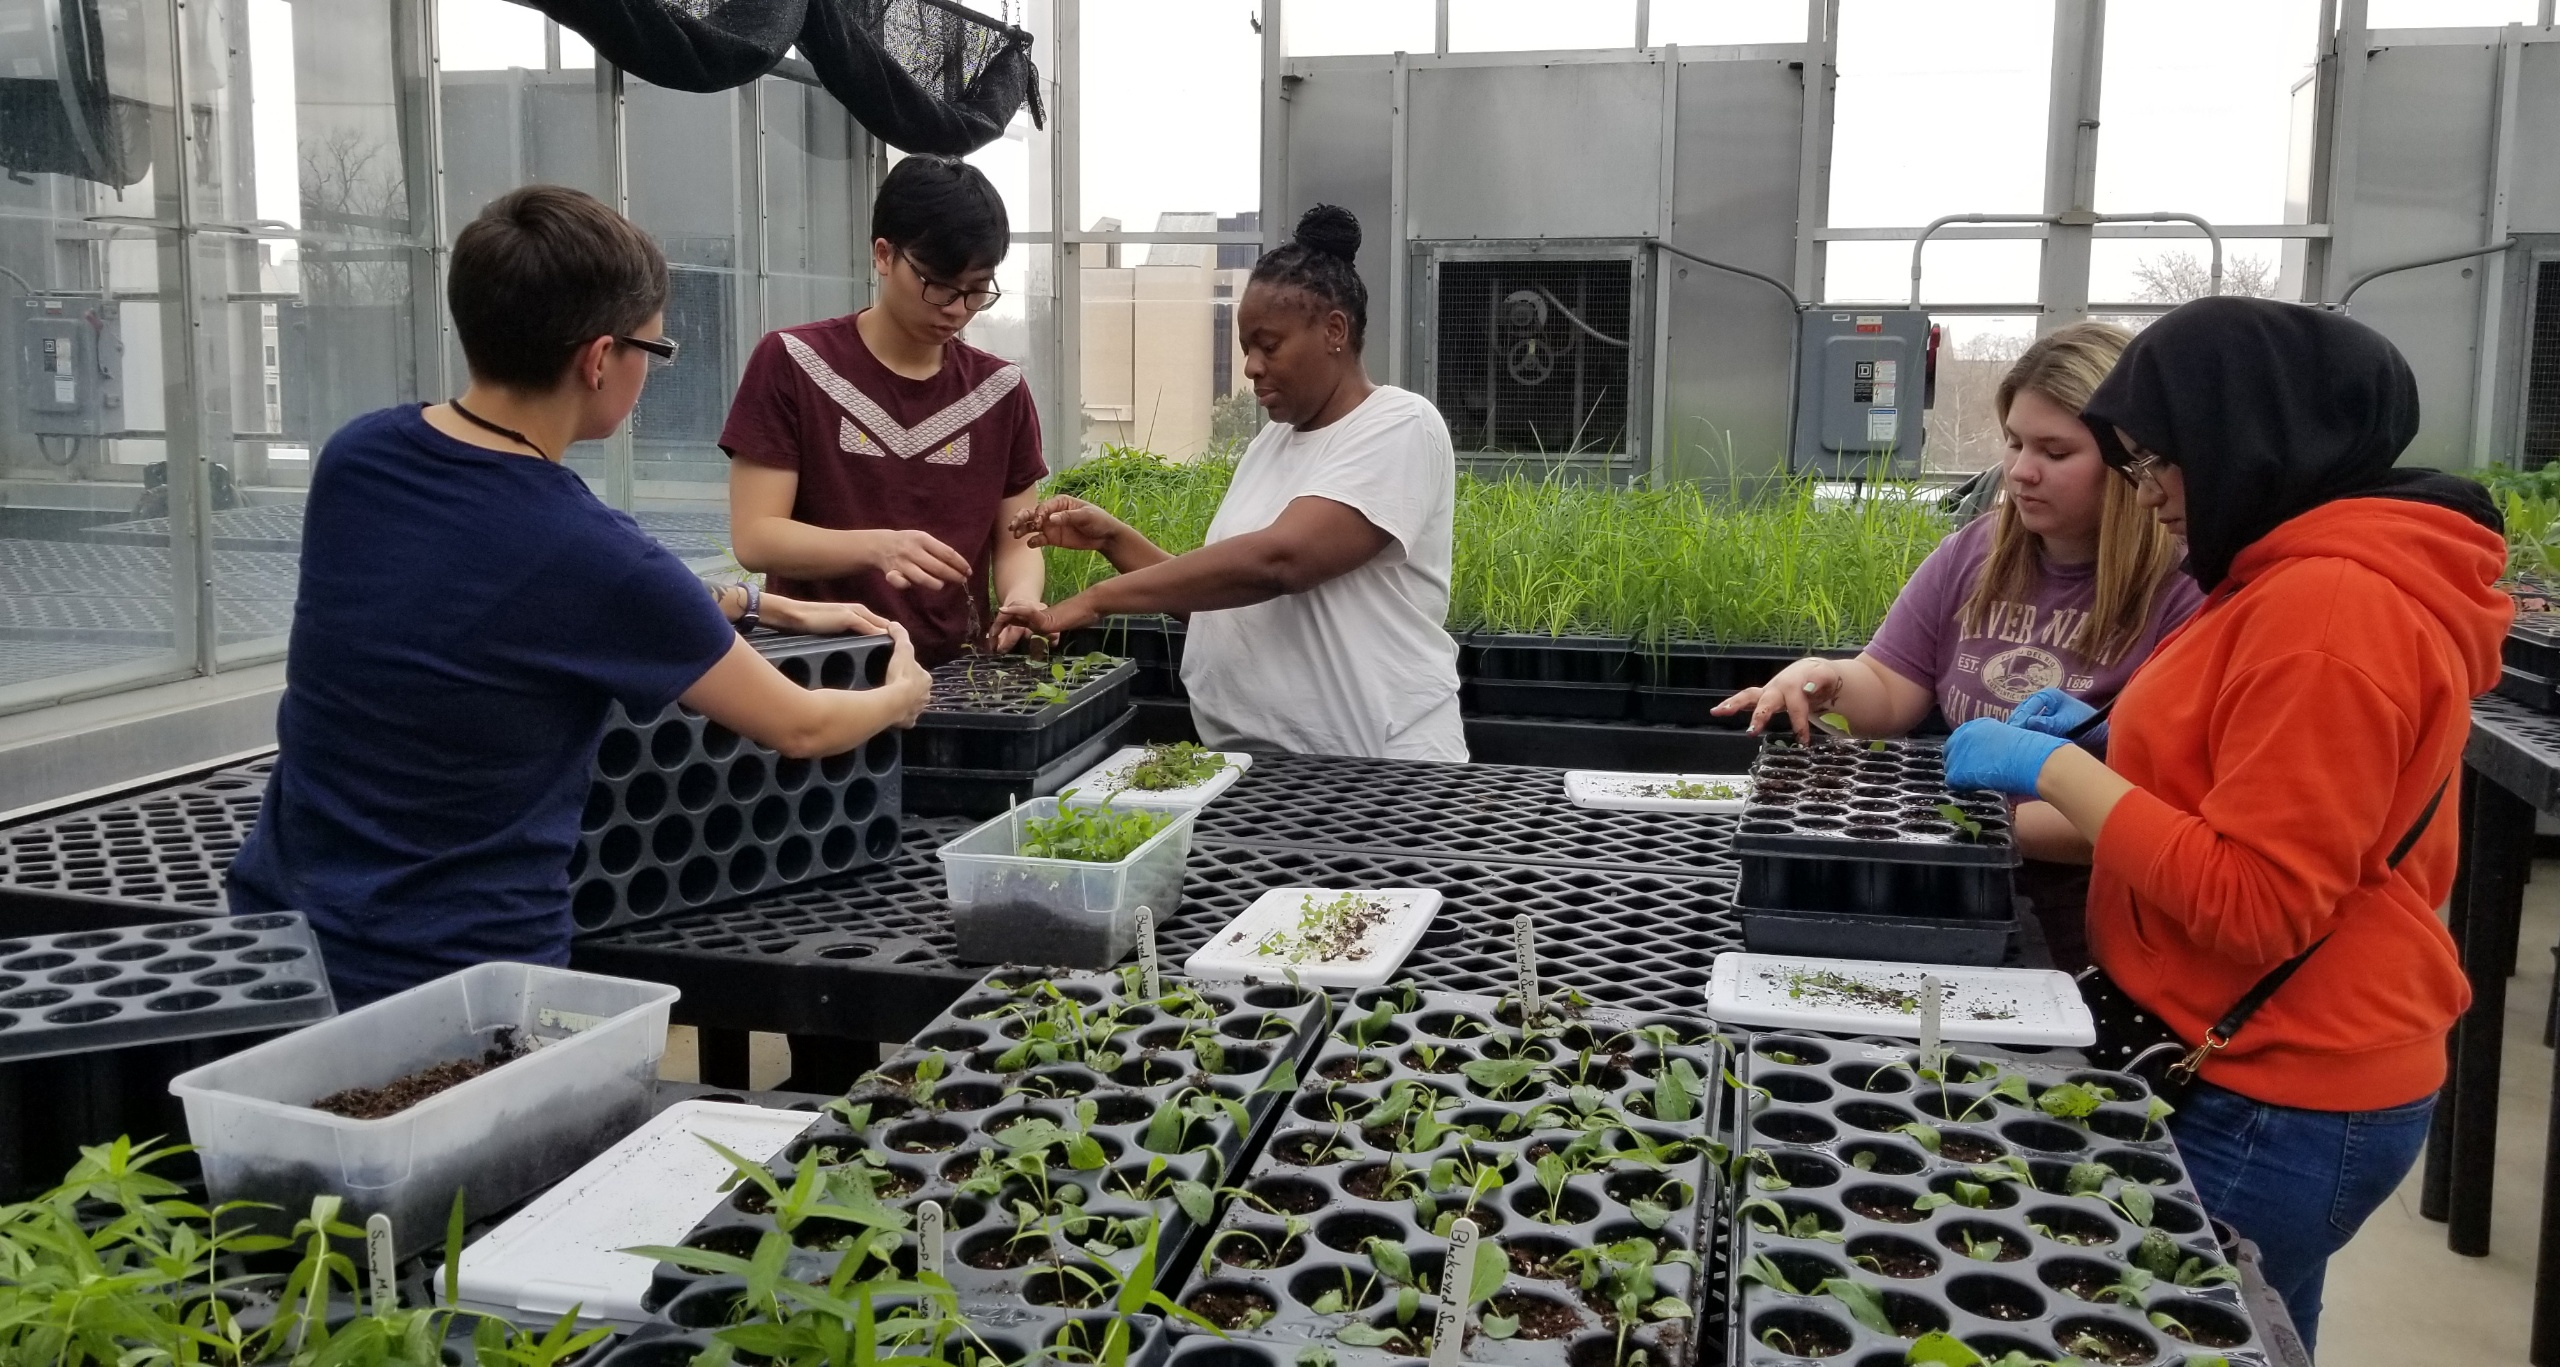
{"type": "Point", "coordinates": [2256, 996]}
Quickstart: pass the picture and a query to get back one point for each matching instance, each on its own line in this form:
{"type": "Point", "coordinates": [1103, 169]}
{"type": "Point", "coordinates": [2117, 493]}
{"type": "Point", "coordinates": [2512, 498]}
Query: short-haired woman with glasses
{"type": "Point", "coordinates": [2273, 826]}
{"type": "Point", "coordinates": [877, 458]}
{"type": "Point", "coordinates": [469, 611]}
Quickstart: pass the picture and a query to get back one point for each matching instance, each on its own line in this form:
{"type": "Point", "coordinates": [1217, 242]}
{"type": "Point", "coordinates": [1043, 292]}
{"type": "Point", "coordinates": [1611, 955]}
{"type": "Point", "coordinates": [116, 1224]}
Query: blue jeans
{"type": "Point", "coordinates": [2297, 1183]}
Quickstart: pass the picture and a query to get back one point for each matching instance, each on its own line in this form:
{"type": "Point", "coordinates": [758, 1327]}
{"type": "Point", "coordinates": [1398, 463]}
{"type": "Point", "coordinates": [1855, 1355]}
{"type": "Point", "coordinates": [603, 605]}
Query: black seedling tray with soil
{"type": "Point", "coordinates": [1154, 643]}
{"type": "Point", "coordinates": [1900, 939]}
{"type": "Point", "coordinates": [683, 812]}
{"type": "Point", "coordinates": [984, 715]}
{"type": "Point", "coordinates": [1861, 827]}
{"type": "Point", "coordinates": [1003, 1337]}
{"type": "Point", "coordinates": [986, 792]}
{"type": "Point", "coordinates": [1425, 1106]}
{"type": "Point", "coordinates": [1113, 1074]}
{"type": "Point", "coordinates": [2533, 644]}
{"type": "Point", "coordinates": [2015, 1205]}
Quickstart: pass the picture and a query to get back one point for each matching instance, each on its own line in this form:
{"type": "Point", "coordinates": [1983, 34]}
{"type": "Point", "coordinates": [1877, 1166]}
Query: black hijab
{"type": "Point", "coordinates": [2269, 410]}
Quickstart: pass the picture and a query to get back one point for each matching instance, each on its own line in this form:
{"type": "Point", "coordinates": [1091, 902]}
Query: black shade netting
{"type": "Point", "coordinates": [922, 75]}
{"type": "Point", "coordinates": [697, 45]}
{"type": "Point", "coordinates": [58, 111]}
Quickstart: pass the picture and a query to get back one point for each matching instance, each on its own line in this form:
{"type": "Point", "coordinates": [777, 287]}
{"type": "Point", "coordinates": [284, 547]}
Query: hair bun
{"type": "Point", "coordinates": [1330, 229]}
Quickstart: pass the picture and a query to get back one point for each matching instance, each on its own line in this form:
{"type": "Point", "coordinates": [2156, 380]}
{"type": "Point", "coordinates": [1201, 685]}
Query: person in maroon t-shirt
{"type": "Point", "coordinates": [878, 459]}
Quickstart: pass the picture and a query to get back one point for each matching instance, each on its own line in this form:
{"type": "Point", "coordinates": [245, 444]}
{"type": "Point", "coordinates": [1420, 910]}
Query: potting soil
{"type": "Point", "coordinates": [391, 1098]}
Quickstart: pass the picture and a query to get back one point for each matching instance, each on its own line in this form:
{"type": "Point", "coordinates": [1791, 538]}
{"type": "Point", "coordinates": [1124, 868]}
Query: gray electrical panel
{"type": "Point", "coordinates": [1862, 391]}
{"type": "Point", "coordinates": [71, 365]}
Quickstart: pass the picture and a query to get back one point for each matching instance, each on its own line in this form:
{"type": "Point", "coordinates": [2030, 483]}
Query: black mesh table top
{"type": "Point", "coordinates": [1497, 813]}
{"type": "Point", "coordinates": [2517, 748]}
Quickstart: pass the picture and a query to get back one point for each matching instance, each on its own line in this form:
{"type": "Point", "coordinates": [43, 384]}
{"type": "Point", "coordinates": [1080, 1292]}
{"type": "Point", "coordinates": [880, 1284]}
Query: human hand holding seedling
{"type": "Point", "coordinates": [1068, 523]}
{"type": "Point", "coordinates": [1009, 631]}
{"type": "Point", "coordinates": [1803, 690]}
{"type": "Point", "coordinates": [1049, 621]}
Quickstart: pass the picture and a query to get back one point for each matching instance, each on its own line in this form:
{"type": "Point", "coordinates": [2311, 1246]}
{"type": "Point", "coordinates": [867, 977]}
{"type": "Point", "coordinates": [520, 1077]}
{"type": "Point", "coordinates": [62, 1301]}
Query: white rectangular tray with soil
{"type": "Point", "coordinates": [1268, 941]}
{"type": "Point", "coordinates": [1108, 781]}
{"type": "Point", "coordinates": [1613, 792]}
{"type": "Point", "coordinates": [564, 1249]}
{"type": "Point", "coordinates": [1864, 997]}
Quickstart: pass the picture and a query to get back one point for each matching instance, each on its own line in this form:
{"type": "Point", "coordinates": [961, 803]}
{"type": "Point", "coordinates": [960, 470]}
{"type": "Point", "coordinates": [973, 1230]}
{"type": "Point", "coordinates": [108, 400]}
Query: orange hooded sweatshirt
{"type": "Point", "coordinates": [2281, 743]}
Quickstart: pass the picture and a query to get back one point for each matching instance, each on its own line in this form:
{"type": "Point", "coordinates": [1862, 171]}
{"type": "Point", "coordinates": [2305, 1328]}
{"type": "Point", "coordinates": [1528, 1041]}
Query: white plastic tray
{"type": "Point", "coordinates": [1102, 782]}
{"type": "Point", "coordinates": [1229, 954]}
{"type": "Point", "coordinates": [652, 1188]}
{"type": "Point", "coordinates": [1643, 792]}
{"type": "Point", "coordinates": [1981, 1005]}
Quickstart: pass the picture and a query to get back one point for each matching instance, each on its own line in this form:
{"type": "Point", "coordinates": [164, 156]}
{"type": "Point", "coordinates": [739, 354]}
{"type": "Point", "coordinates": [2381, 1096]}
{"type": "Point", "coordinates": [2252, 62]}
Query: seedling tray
{"type": "Point", "coordinates": [1025, 1334]}
{"type": "Point", "coordinates": [1108, 781]}
{"type": "Point", "coordinates": [1866, 997]}
{"type": "Point", "coordinates": [982, 715]}
{"type": "Point", "coordinates": [1331, 1179]}
{"type": "Point", "coordinates": [2533, 644]}
{"type": "Point", "coordinates": [169, 846]}
{"type": "Point", "coordinates": [1153, 642]}
{"type": "Point", "coordinates": [109, 989]}
{"type": "Point", "coordinates": [1829, 1188]}
{"type": "Point", "coordinates": [1856, 828]}
{"type": "Point", "coordinates": [932, 1115]}
{"type": "Point", "coordinates": [2533, 690]}
{"type": "Point", "coordinates": [683, 812]}
{"type": "Point", "coordinates": [1616, 792]}
{"type": "Point", "coordinates": [1907, 939]}
{"type": "Point", "coordinates": [985, 792]}
{"type": "Point", "coordinates": [1234, 952]}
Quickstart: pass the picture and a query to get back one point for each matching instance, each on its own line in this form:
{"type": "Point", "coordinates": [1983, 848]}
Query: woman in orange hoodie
{"type": "Point", "coordinates": [2272, 758]}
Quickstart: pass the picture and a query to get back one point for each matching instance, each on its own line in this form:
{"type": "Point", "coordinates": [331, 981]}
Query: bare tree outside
{"type": "Point", "coordinates": [1964, 425]}
{"type": "Point", "coordinates": [2178, 276]}
{"type": "Point", "coordinates": [351, 186]}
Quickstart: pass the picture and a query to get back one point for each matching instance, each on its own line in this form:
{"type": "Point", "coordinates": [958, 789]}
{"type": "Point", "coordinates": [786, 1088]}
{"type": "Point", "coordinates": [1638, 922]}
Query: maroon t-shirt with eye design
{"type": "Point", "coordinates": [877, 451]}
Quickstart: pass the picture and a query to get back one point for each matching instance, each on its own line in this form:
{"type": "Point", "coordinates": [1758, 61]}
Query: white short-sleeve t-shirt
{"type": "Point", "coordinates": [1360, 664]}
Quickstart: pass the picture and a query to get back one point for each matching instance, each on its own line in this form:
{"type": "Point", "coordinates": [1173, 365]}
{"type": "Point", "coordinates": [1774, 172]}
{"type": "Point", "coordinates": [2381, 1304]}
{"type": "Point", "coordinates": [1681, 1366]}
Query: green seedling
{"type": "Point", "coordinates": [1921, 1133]}
{"type": "Point", "coordinates": [1768, 1215]}
{"type": "Point", "coordinates": [1864, 1303]}
{"type": "Point", "coordinates": [2086, 1179]}
{"type": "Point", "coordinates": [1962, 820]}
{"type": "Point", "coordinates": [1090, 835]}
{"type": "Point", "coordinates": [1760, 1269]}
{"type": "Point", "coordinates": [1164, 767]}
{"type": "Point", "coordinates": [1264, 1251]}
{"type": "Point", "coordinates": [2068, 1101]}
{"type": "Point", "coordinates": [1620, 1275]}
{"type": "Point", "coordinates": [1506, 1079]}
{"type": "Point", "coordinates": [1982, 1250]}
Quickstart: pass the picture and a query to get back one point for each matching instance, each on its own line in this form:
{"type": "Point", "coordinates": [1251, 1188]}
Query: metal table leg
{"type": "Point", "coordinates": [2545, 1350]}
{"type": "Point", "coordinates": [2435, 1190]}
{"type": "Point", "coordinates": [2501, 827]}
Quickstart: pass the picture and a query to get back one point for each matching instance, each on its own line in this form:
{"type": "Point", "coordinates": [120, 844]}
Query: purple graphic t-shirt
{"type": "Point", "coordinates": [2017, 648]}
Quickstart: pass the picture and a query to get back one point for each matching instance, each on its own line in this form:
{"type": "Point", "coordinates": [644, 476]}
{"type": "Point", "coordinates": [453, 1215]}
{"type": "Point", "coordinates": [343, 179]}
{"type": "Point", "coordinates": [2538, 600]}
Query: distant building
{"type": "Point", "coordinates": [1158, 341]}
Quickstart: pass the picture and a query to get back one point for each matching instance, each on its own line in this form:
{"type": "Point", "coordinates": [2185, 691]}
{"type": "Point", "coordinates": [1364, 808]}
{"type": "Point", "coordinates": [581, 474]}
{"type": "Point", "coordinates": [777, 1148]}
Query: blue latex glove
{"type": "Point", "coordinates": [1989, 754]}
{"type": "Point", "coordinates": [2051, 711]}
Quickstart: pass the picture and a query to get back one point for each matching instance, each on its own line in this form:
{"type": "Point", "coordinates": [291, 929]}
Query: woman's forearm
{"type": "Point", "coordinates": [2082, 789]}
{"type": "Point", "coordinates": [1130, 551]}
{"type": "Point", "coordinates": [1020, 575]}
{"type": "Point", "coordinates": [797, 550]}
{"type": "Point", "coordinates": [1235, 573]}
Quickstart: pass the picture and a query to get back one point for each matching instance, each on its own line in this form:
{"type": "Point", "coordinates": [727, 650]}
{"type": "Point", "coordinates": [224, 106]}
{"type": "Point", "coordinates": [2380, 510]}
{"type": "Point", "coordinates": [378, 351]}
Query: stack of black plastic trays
{"type": "Point", "coordinates": [1051, 1116]}
{"type": "Point", "coordinates": [1856, 849]}
{"type": "Point", "coordinates": [1003, 729]}
{"type": "Point", "coordinates": [1579, 1148]}
{"type": "Point", "coordinates": [683, 812]}
{"type": "Point", "coordinates": [2013, 1205]}
{"type": "Point", "coordinates": [102, 1003]}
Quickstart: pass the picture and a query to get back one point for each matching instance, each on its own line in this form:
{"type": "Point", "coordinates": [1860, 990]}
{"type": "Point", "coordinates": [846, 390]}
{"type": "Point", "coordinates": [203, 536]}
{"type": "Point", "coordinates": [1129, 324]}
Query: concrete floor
{"type": "Point", "coordinates": [2396, 1296]}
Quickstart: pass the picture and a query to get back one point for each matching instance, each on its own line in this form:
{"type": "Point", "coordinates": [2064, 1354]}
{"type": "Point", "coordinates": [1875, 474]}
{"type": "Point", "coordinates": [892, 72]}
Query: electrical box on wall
{"type": "Point", "coordinates": [1863, 387]}
{"type": "Point", "coordinates": [71, 365]}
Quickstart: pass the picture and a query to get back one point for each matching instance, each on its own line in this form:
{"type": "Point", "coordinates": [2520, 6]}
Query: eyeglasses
{"type": "Point", "coordinates": [942, 295]}
{"type": "Point", "coordinates": [662, 350]}
{"type": "Point", "coordinates": [2140, 468]}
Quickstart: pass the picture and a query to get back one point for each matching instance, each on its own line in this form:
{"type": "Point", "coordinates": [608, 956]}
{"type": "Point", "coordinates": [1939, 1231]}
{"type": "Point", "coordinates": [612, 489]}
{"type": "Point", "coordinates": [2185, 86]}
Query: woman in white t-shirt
{"type": "Point", "coordinates": [1316, 604]}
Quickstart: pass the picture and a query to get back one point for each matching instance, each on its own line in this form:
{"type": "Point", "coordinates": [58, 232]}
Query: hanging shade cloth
{"type": "Point", "coordinates": [922, 75]}
{"type": "Point", "coordinates": [697, 45]}
{"type": "Point", "coordinates": [58, 111]}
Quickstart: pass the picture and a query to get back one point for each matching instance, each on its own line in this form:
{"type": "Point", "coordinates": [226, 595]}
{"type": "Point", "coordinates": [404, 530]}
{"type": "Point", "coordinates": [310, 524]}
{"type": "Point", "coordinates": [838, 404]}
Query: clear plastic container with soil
{"type": "Point", "coordinates": [1869, 828]}
{"type": "Point", "coordinates": [683, 812]}
{"type": "Point", "coordinates": [1011, 906]}
{"type": "Point", "coordinates": [1016, 713]}
{"type": "Point", "coordinates": [498, 1136]}
{"type": "Point", "coordinates": [1051, 1116]}
{"type": "Point", "coordinates": [1579, 1148]}
{"type": "Point", "coordinates": [1878, 1197]}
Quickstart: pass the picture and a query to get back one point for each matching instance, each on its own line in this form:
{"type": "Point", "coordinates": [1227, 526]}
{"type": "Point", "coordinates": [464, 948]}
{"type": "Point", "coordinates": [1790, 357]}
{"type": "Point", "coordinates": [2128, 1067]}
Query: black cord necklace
{"type": "Point", "coordinates": [508, 432]}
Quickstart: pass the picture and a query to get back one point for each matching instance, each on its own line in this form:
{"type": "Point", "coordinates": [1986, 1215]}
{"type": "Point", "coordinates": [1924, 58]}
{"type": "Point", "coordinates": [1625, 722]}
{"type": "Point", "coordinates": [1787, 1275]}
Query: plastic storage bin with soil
{"type": "Point", "coordinates": [1008, 906]}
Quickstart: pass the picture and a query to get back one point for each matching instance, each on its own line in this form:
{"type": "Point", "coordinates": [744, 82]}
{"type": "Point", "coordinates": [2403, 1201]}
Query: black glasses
{"type": "Point", "coordinates": [942, 295]}
{"type": "Point", "coordinates": [662, 350]}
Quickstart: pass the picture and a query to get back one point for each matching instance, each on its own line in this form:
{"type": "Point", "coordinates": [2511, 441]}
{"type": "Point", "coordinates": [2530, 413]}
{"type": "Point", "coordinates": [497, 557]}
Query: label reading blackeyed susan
{"type": "Point", "coordinates": [1524, 942]}
{"type": "Point", "coordinates": [1449, 1329]}
{"type": "Point", "coordinates": [1149, 972]}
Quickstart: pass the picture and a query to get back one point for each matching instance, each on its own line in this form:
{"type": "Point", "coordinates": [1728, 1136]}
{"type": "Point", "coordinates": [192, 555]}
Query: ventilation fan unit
{"type": "Point", "coordinates": [1538, 354]}
{"type": "Point", "coordinates": [2540, 444]}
